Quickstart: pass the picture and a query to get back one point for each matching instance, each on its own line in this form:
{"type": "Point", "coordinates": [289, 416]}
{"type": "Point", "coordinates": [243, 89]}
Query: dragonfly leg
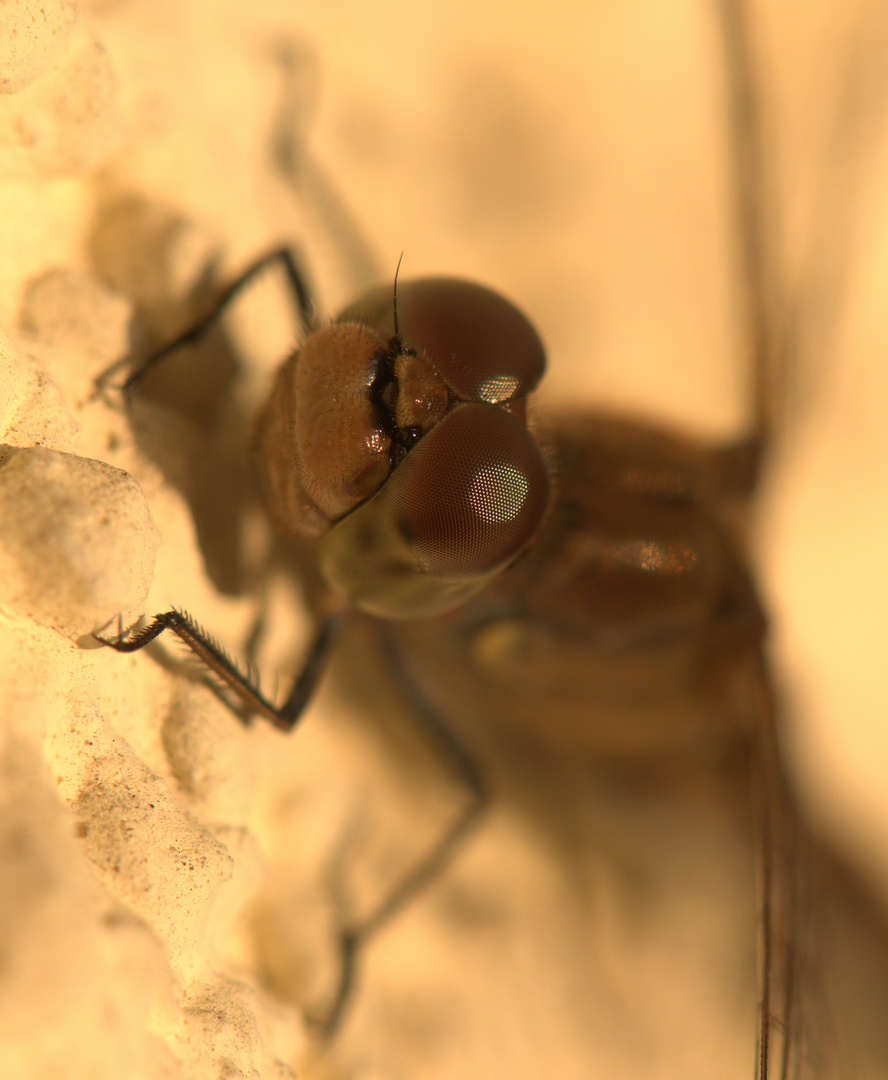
{"type": "Point", "coordinates": [222, 667]}
{"type": "Point", "coordinates": [296, 281]}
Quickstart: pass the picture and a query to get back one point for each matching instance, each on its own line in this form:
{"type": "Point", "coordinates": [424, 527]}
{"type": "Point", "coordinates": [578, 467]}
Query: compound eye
{"type": "Point", "coordinates": [471, 494]}
{"type": "Point", "coordinates": [484, 347]}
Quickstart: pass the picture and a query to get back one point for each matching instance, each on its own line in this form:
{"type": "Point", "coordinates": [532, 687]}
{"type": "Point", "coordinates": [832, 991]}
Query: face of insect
{"type": "Point", "coordinates": [400, 442]}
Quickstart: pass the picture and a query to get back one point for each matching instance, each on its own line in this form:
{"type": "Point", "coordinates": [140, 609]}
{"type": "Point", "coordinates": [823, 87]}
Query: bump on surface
{"type": "Point", "coordinates": [77, 544]}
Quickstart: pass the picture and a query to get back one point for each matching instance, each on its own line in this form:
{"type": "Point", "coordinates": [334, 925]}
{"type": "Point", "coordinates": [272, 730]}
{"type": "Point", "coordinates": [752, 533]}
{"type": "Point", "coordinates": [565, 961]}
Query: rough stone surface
{"type": "Point", "coordinates": [77, 543]}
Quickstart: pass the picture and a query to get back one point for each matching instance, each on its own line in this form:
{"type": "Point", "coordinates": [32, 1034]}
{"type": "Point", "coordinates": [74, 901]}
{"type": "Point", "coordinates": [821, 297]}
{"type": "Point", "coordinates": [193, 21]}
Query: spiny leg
{"type": "Point", "coordinates": [223, 667]}
{"type": "Point", "coordinates": [354, 937]}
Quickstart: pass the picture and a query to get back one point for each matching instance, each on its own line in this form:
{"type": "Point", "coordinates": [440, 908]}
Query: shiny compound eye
{"type": "Point", "coordinates": [473, 492]}
{"type": "Point", "coordinates": [460, 506]}
{"type": "Point", "coordinates": [482, 345]}
{"type": "Point", "coordinates": [480, 342]}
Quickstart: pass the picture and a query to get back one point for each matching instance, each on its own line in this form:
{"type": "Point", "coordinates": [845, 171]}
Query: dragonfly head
{"type": "Point", "coordinates": [396, 436]}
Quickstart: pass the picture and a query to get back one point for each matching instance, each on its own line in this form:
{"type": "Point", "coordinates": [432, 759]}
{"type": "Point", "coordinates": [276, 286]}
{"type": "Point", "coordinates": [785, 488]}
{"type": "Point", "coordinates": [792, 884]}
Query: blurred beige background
{"type": "Point", "coordinates": [573, 155]}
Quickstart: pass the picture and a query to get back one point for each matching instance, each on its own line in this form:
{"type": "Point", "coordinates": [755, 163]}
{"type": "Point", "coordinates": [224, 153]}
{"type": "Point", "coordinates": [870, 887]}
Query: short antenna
{"type": "Point", "coordinates": [395, 294]}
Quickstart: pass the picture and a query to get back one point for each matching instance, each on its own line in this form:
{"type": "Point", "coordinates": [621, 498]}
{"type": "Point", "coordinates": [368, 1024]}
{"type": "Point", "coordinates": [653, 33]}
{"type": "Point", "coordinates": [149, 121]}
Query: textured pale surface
{"type": "Point", "coordinates": [78, 544]}
{"type": "Point", "coordinates": [154, 855]}
{"type": "Point", "coordinates": [32, 35]}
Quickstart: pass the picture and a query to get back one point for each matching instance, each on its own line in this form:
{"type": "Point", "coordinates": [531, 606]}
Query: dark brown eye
{"type": "Point", "coordinates": [482, 345]}
{"type": "Point", "coordinates": [472, 493]}
{"type": "Point", "coordinates": [480, 342]}
{"type": "Point", "coordinates": [459, 507]}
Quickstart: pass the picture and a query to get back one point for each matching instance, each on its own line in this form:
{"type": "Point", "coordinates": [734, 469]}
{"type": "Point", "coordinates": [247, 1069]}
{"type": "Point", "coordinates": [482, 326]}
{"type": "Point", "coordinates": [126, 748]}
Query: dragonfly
{"type": "Point", "coordinates": [616, 616]}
